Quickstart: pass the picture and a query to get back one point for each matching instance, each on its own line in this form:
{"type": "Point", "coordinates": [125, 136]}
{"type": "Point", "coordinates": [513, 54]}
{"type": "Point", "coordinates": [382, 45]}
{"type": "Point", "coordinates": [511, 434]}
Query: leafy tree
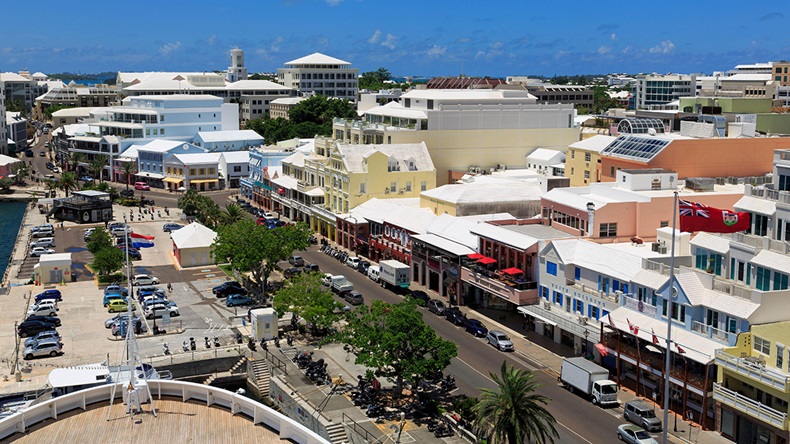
{"type": "Point", "coordinates": [307, 298]}
{"type": "Point", "coordinates": [96, 166]}
{"type": "Point", "coordinates": [68, 182]}
{"type": "Point", "coordinates": [99, 240]}
{"type": "Point", "coordinates": [258, 249]}
{"type": "Point", "coordinates": [320, 109]}
{"type": "Point", "coordinates": [5, 184]}
{"type": "Point", "coordinates": [51, 185]}
{"type": "Point", "coordinates": [51, 109]}
{"type": "Point", "coordinates": [129, 169]}
{"type": "Point", "coordinates": [108, 260]}
{"type": "Point", "coordinates": [261, 76]}
{"type": "Point", "coordinates": [20, 170]}
{"type": "Point", "coordinates": [395, 341]}
{"type": "Point", "coordinates": [232, 214]}
{"type": "Point", "coordinates": [601, 99]}
{"type": "Point", "coordinates": [374, 80]}
{"type": "Point", "coordinates": [188, 202]}
{"type": "Point", "coordinates": [514, 411]}
{"type": "Point", "coordinates": [75, 158]}
{"type": "Point", "coordinates": [16, 106]}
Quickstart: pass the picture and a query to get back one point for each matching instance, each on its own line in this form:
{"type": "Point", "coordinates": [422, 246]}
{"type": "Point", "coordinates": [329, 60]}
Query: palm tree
{"type": "Point", "coordinates": [514, 411]}
{"type": "Point", "coordinates": [51, 185]}
{"type": "Point", "coordinates": [68, 181]}
{"type": "Point", "coordinates": [129, 169]}
{"type": "Point", "coordinates": [96, 167]}
{"type": "Point", "coordinates": [232, 214]}
{"type": "Point", "coordinates": [21, 170]}
{"type": "Point", "coordinates": [75, 158]}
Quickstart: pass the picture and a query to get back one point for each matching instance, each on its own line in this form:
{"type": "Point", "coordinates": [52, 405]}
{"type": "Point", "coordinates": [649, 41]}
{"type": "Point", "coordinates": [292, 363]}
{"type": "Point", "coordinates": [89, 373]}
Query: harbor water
{"type": "Point", "coordinates": [11, 216]}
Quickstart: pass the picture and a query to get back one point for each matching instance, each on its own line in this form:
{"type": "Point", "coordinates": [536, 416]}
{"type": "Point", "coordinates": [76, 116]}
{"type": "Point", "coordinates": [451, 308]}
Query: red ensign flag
{"type": "Point", "coordinates": [699, 217]}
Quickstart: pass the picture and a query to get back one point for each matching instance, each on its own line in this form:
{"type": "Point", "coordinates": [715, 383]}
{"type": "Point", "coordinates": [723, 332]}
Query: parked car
{"type": "Point", "coordinates": [235, 300]}
{"type": "Point", "coordinates": [150, 290]}
{"type": "Point", "coordinates": [45, 308]}
{"type": "Point", "coordinates": [48, 319]}
{"type": "Point", "coordinates": [49, 294]}
{"type": "Point", "coordinates": [43, 348]}
{"type": "Point", "coordinates": [29, 153]}
{"type": "Point", "coordinates": [144, 279]}
{"type": "Point", "coordinates": [120, 231]}
{"type": "Point", "coordinates": [55, 169]}
{"type": "Point", "coordinates": [44, 227]}
{"type": "Point", "coordinates": [296, 261]}
{"type": "Point", "coordinates": [170, 227]}
{"type": "Point", "coordinates": [363, 267]}
{"type": "Point", "coordinates": [33, 327]}
{"type": "Point", "coordinates": [88, 233]}
{"type": "Point", "coordinates": [436, 306]}
{"type": "Point", "coordinates": [134, 253]}
{"type": "Point", "coordinates": [353, 262]}
{"type": "Point", "coordinates": [499, 340]}
{"type": "Point", "coordinates": [156, 311]}
{"type": "Point", "coordinates": [327, 280]}
{"type": "Point", "coordinates": [43, 233]}
{"type": "Point", "coordinates": [126, 193]}
{"type": "Point", "coordinates": [312, 268]}
{"type": "Point", "coordinates": [115, 319]}
{"type": "Point", "coordinates": [117, 305]}
{"type": "Point", "coordinates": [475, 327]}
{"type": "Point", "coordinates": [353, 297]}
{"type": "Point", "coordinates": [633, 434]}
{"type": "Point", "coordinates": [43, 242]}
{"type": "Point", "coordinates": [109, 297]}
{"type": "Point", "coordinates": [454, 315]}
{"type": "Point", "coordinates": [47, 335]}
{"type": "Point", "coordinates": [139, 326]}
{"type": "Point", "coordinates": [117, 289]}
{"type": "Point", "coordinates": [291, 272]}
{"type": "Point", "coordinates": [86, 179]}
{"type": "Point", "coordinates": [421, 297]}
{"type": "Point", "coordinates": [226, 288]}
{"type": "Point", "coordinates": [642, 414]}
{"type": "Point", "coordinates": [141, 186]}
{"type": "Point", "coordinates": [40, 251]}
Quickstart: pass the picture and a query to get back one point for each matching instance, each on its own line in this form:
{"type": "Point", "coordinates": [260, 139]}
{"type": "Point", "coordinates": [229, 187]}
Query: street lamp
{"type": "Point", "coordinates": [676, 398]}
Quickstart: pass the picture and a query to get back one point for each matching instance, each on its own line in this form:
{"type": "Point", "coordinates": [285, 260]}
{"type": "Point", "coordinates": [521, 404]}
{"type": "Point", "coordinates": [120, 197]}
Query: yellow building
{"type": "Point", "coordinates": [753, 388]}
{"type": "Point", "coordinates": [583, 160]}
{"type": "Point", "coordinates": [356, 173]}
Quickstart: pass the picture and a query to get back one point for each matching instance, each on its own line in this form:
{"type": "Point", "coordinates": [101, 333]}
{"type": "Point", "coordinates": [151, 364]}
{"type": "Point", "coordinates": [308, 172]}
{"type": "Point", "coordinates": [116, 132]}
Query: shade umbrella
{"type": "Point", "coordinates": [485, 260]}
{"type": "Point", "coordinates": [513, 271]}
{"type": "Point", "coordinates": [181, 189]}
{"type": "Point", "coordinates": [475, 256]}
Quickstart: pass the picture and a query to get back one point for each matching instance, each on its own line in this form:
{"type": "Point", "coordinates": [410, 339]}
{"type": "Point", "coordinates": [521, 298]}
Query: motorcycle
{"type": "Point", "coordinates": [216, 342]}
{"type": "Point", "coordinates": [185, 345]}
{"type": "Point", "coordinates": [192, 344]}
{"type": "Point", "coordinates": [251, 345]}
{"type": "Point", "coordinates": [165, 348]}
{"type": "Point", "coordinates": [239, 338]}
{"type": "Point", "coordinates": [208, 343]}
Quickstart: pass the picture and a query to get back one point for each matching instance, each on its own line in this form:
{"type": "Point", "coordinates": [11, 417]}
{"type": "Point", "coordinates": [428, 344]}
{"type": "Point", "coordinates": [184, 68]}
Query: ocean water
{"type": "Point", "coordinates": [11, 215]}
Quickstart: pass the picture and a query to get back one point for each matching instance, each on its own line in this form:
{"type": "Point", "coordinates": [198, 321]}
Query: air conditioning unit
{"type": "Point", "coordinates": [662, 249]}
{"type": "Point", "coordinates": [547, 305]}
{"type": "Point", "coordinates": [400, 191]}
{"type": "Point", "coordinates": [386, 190]}
{"type": "Point", "coordinates": [501, 167]}
{"type": "Point", "coordinates": [582, 320]}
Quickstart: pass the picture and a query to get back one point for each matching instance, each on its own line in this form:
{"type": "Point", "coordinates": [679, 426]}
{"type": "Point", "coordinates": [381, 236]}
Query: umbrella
{"type": "Point", "coordinates": [181, 189]}
{"type": "Point", "coordinates": [513, 271]}
{"type": "Point", "coordinates": [485, 260]}
{"type": "Point", "coordinates": [475, 256]}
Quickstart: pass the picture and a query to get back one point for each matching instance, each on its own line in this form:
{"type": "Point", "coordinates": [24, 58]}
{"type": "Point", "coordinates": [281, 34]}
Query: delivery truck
{"type": "Point", "coordinates": [579, 374]}
{"type": "Point", "coordinates": [394, 274]}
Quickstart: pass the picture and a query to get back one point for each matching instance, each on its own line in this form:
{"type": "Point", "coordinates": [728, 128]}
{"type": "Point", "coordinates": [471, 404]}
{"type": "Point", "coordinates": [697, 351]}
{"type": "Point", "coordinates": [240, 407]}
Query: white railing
{"type": "Point", "coordinates": [710, 332]}
{"type": "Point", "coordinates": [287, 428]}
{"type": "Point", "coordinates": [747, 366]}
{"type": "Point", "coordinates": [749, 406]}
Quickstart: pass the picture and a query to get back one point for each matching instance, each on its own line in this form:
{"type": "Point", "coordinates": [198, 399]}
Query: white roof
{"type": "Point", "coordinates": [287, 100]}
{"type": "Point", "coordinates": [596, 257]}
{"type": "Point", "coordinates": [317, 58]}
{"type": "Point", "coordinates": [162, 145]}
{"type": "Point", "coordinates": [130, 153]}
{"type": "Point", "coordinates": [515, 239]}
{"type": "Point", "coordinates": [355, 155]}
{"type": "Point", "coordinates": [650, 279]}
{"type": "Point", "coordinates": [55, 258]}
{"type": "Point", "coordinates": [748, 77]}
{"type": "Point", "coordinates": [8, 160]}
{"type": "Point", "coordinates": [295, 159]}
{"type": "Point", "coordinates": [256, 85]}
{"type": "Point", "coordinates": [756, 205]}
{"type": "Point", "coordinates": [773, 260]}
{"type": "Point", "coordinates": [699, 295]}
{"type": "Point", "coordinates": [444, 244]}
{"type": "Point", "coordinates": [487, 189]}
{"type": "Point", "coordinates": [12, 77]}
{"type": "Point", "coordinates": [236, 156]}
{"type": "Point", "coordinates": [546, 155]}
{"type": "Point", "coordinates": [458, 229]}
{"type": "Point", "coordinates": [712, 242]}
{"type": "Point", "coordinates": [376, 210]}
{"type": "Point", "coordinates": [595, 143]}
{"type": "Point", "coordinates": [229, 136]}
{"type": "Point", "coordinates": [81, 111]}
{"type": "Point", "coordinates": [193, 235]}
{"type": "Point", "coordinates": [470, 95]}
{"type": "Point", "coordinates": [198, 158]}
{"type": "Point", "coordinates": [395, 109]}
{"type": "Point", "coordinates": [415, 220]}
{"type": "Point", "coordinates": [287, 182]}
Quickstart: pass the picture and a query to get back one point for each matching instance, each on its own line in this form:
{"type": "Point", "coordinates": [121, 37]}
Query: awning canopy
{"type": "Point", "coordinates": [513, 271]}
{"type": "Point", "coordinates": [475, 256]}
{"type": "Point", "coordinates": [204, 181]}
{"type": "Point", "coordinates": [151, 175]}
{"type": "Point", "coordinates": [485, 260]}
{"type": "Point", "coordinates": [173, 180]}
{"type": "Point", "coordinates": [526, 310]}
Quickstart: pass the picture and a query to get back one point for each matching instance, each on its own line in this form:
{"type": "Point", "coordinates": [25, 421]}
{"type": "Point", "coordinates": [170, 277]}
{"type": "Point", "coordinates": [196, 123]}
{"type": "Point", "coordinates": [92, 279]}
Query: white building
{"type": "Point", "coordinates": [661, 89]}
{"type": "Point", "coordinates": [152, 157]}
{"type": "Point", "coordinates": [321, 74]}
{"type": "Point", "coordinates": [236, 71]}
{"type": "Point", "coordinates": [548, 162]}
{"type": "Point", "coordinates": [233, 166]}
{"type": "Point", "coordinates": [16, 128]}
{"type": "Point", "coordinates": [228, 140]}
{"type": "Point", "coordinates": [3, 125]}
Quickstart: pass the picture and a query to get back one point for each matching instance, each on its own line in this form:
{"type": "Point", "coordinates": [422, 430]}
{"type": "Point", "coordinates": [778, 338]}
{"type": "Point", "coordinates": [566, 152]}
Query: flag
{"type": "Point", "coordinates": [680, 349]}
{"type": "Point", "coordinates": [141, 236]}
{"type": "Point", "coordinates": [699, 217]}
{"type": "Point", "coordinates": [602, 349]}
{"type": "Point", "coordinates": [611, 322]}
{"type": "Point", "coordinates": [141, 240]}
{"type": "Point", "coordinates": [655, 338]}
{"type": "Point", "coordinates": [634, 329]}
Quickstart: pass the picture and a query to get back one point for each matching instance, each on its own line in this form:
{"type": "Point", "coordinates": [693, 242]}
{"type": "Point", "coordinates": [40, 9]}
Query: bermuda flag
{"type": "Point", "coordinates": [680, 350]}
{"type": "Point", "coordinates": [655, 338]}
{"type": "Point", "coordinates": [141, 240]}
{"type": "Point", "coordinates": [699, 217]}
{"type": "Point", "coordinates": [634, 329]}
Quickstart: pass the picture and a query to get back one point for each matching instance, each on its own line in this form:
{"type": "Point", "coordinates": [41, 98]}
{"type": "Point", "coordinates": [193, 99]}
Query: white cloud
{"type": "Point", "coordinates": [665, 47]}
{"type": "Point", "coordinates": [262, 53]}
{"type": "Point", "coordinates": [603, 50]}
{"type": "Point", "coordinates": [169, 47]}
{"type": "Point", "coordinates": [497, 45]}
{"type": "Point", "coordinates": [275, 46]}
{"type": "Point", "coordinates": [389, 42]}
{"type": "Point", "coordinates": [211, 40]}
{"type": "Point", "coordinates": [436, 51]}
{"type": "Point", "coordinates": [560, 54]}
{"type": "Point", "coordinates": [375, 37]}
{"type": "Point", "coordinates": [613, 36]}
{"type": "Point", "coordinates": [333, 2]}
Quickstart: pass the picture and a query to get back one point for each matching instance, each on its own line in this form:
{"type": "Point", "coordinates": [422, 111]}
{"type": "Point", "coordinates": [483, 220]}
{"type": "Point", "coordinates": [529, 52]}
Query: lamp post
{"type": "Point", "coordinates": [676, 398]}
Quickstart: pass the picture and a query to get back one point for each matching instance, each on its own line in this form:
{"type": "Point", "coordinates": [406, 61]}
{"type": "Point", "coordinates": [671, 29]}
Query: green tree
{"type": "Point", "coordinates": [97, 165]}
{"type": "Point", "coordinates": [5, 184]}
{"type": "Point", "coordinates": [129, 169]}
{"type": "Point", "coordinates": [232, 214]}
{"type": "Point", "coordinates": [20, 170]}
{"type": "Point", "coordinates": [108, 260]}
{"type": "Point", "coordinates": [68, 182]}
{"type": "Point", "coordinates": [209, 213]}
{"type": "Point", "coordinates": [51, 109]}
{"type": "Point", "coordinates": [189, 203]}
{"type": "Point", "coordinates": [307, 298]}
{"type": "Point", "coordinates": [601, 99]}
{"type": "Point", "coordinates": [51, 185]}
{"type": "Point", "coordinates": [514, 411]}
{"type": "Point", "coordinates": [75, 158]}
{"type": "Point", "coordinates": [374, 80]}
{"type": "Point", "coordinates": [99, 240]}
{"type": "Point", "coordinates": [16, 106]}
{"type": "Point", "coordinates": [395, 341]}
{"type": "Point", "coordinates": [257, 249]}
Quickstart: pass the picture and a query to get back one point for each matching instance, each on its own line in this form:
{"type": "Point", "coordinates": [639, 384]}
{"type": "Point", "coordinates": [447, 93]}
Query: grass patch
{"type": "Point", "coordinates": [227, 269]}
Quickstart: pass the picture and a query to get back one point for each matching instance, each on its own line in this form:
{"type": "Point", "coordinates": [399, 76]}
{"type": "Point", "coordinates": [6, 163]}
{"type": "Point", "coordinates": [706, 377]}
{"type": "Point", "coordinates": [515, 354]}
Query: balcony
{"type": "Point", "coordinates": [754, 369]}
{"type": "Point", "coordinates": [710, 332]}
{"type": "Point", "coordinates": [749, 406]}
{"type": "Point", "coordinates": [611, 297]}
{"type": "Point", "coordinates": [517, 292]}
{"type": "Point", "coordinates": [765, 193]}
{"type": "Point", "coordinates": [304, 187]}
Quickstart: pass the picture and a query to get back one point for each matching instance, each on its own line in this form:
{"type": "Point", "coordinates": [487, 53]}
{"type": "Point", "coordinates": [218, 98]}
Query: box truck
{"type": "Point", "coordinates": [394, 274]}
{"type": "Point", "coordinates": [579, 374]}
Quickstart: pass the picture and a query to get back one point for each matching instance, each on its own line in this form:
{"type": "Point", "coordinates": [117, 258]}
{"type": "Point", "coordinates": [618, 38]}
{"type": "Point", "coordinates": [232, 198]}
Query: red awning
{"type": "Point", "coordinates": [513, 270]}
{"type": "Point", "coordinates": [602, 349]}
{"type": "Point", "coordinates": [485, 260]}
{"type": "Point", "coordinates": [475, 256]}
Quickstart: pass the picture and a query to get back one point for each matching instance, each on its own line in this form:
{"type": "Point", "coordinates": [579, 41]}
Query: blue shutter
{"type": "Point", "coordinates": [577, 274]}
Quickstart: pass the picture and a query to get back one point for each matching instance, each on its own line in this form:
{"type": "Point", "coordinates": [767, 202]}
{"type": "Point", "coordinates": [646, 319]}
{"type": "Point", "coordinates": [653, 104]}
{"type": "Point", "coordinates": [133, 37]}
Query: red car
{"type": "Point", "coordinates": [261, 221]}
{"type": "Point", "coordinates": [141, 186]}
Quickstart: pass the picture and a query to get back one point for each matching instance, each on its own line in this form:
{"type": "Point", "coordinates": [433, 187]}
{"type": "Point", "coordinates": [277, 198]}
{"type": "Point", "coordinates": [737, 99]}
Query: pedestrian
{"type": "Point", "coordinates": [169, 287]}
{"type": "Point", "coordinates": [524, 324]}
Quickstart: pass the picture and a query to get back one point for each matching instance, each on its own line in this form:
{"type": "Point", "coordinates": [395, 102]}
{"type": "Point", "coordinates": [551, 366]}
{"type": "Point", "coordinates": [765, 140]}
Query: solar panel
{"type": "Point", "coordinates": [640, 125]}
{"type": "Point", "coordinates": [635, 147]}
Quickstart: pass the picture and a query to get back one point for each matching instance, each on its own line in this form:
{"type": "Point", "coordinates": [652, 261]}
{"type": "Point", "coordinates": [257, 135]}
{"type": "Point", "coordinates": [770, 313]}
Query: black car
{"type": "Point", "coordinates": [134, 253]}
{"type": "Point", "coordinates": [291, 272]}
{"type": "Point", "coordinates": [363, 267]}
{"type": "Point", "coordinates": [126, 193]}
{"type": "Point", "coordinates": [48, 319]}
{"type": "Point", "coordinates": [421, 297]}
{"type": "Point", "coordinates": [455, 316]}
{"type": "Point", "coordinates": [33, 327]}
{"type": "Point", "coordinates": [228, 288]}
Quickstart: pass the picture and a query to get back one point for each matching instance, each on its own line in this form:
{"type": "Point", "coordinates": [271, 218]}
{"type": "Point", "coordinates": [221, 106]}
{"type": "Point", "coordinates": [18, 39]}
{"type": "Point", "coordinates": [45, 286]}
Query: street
{"type": "Point", "coordinates": [579, 421]}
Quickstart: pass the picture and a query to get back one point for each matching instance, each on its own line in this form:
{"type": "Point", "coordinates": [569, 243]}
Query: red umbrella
{"type": "Point", "coordinates": [485, 260]}
{"type": "Point", "coordinates": [513, 271]}
{"type": "Point", "coordinates": [475, 256]}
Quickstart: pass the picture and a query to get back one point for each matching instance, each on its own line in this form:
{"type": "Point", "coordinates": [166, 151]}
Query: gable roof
{"type": "Point", "coordinates": [229, 136]}
{"type": "Point", "coordinates": [163, 146]}
{"type": "Point", "coordinates": [609, 261]}
{"type": "Point", "coordinates": [487, 189]}
{"type": "Point", "coordinates": [595, 143]}
{"type": "Point", "coordinates": [236, 156]}
{"type": "Point", "coordinates": [193, 235]}
{"type": "Point", "coordinates": [377, 210]}
{"type": "Point", "coordinates": [354, 155]}
{"type": "Point", "coordinates": [546, 155]}
{"type": "Point", "coordinates": [198, 158]}
{"type": "Point", "coordinates": [716, 243]}
{"type": "Point", "coordinates": [317, 58]}
{"type": "Point", "coordinates": [7, 160]}
{"type": "Point", "coordinates": [415, 220]}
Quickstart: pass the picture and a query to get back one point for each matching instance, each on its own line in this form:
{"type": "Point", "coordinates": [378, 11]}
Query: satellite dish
{"type": "Point", "coordinates": [674, 292]}
{"type": "Point", "coordinates": [185, 147]}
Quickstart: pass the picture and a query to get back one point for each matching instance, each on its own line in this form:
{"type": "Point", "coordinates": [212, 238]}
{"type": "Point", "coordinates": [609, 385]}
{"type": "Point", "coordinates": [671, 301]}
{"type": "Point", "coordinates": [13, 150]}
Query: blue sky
{"type": "Point", "coordinates": [428, 37]}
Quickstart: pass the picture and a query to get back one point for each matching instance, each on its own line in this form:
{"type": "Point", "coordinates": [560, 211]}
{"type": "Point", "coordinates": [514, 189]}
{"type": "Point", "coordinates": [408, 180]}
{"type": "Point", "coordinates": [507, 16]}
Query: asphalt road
{"type": "Point", "coordinates": [578, 420]}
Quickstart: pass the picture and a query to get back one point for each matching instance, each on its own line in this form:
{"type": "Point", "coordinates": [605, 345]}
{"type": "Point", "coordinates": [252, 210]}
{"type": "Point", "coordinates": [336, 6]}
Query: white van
{"type": "Point", "coordinates": [373, 273]}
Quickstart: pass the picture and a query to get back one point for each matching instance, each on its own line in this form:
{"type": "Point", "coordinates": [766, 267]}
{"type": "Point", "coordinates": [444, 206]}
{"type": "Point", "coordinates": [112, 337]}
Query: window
{"type": "Point", "coordinates": [191, 171]}
{"type": "Point", "coordinates": [608, 230]}
{"type": "Point", "coordinates": [423, 186]}
{"type": "Point", "coordinates": [586, 174]}
{"type": "Point", "coordinates": [408, 186]}
{"type": "Point", "coordinates": [237, 169]}
{"type": "Point", "coordinates": [577, 273]}
{"type": "Point", "coordinates": [393, 187]}
{"type": "Point", "coordinates": [780, 356]}
{"type": "Point", "coordinates": [762, 345]}
{"type": "Point", "coordinates": [780, 281]}
{"type": "Point", "coordinates": [211, 170]}
{"type": "Point", "coordinates": [362, 188]}
{"type": "Point", "coordinates": [202, 171]}
{"type": "Point", "coordinates": [558, 298]}
{"type": "Point", "coordinates": [551, 268]}
{"type": "Point", "coordinates": [712, 318]}
{"type": "Point", "coordinates": [578, 306]}
{"type": "Point", "coordinates": [760, 224]}
{"type": "Point", "coordinates": [573, 154]}
{"type": "Point", "coordinates": [763, 279]}
{"type": "Point", "coordinates": [594, 312]}
{"type": "Point", "coordinates": [679, 312]}
{"type": "Point", "coordinates": [544, 292]}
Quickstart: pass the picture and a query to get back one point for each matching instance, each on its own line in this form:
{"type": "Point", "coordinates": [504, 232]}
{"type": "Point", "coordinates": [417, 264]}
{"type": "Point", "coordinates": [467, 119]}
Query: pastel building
{"type": "Point", "coordinates": [233, 167]}
{"type": "Point", "coordinates": [222, 141]}
{"type": "Point", "coordinates": [254, 186]}
{"type": "Point", "coordinates": [583, 160]}
{"type": "Point", "coordinates": [151, 159]}
{"type": "Point", "coordinates": [194, 171]}
{"type": "Point", "coordinates": [321, 75]}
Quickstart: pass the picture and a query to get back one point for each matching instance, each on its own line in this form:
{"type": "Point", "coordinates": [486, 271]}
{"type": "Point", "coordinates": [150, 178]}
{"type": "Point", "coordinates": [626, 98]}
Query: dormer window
{"type": "Point", "coordinates": [412, 164]}
{"type": "Point", "coordinates": [393, 165]}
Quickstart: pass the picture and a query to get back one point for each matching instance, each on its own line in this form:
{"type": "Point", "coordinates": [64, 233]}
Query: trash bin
{"type": "Point", "coordinates": [73, 277]}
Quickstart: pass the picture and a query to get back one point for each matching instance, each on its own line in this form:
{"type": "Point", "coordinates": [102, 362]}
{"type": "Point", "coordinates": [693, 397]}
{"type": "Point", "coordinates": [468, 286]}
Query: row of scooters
{"type": "Point", "coordinates": [337, 253]}
{"type": "Point", "coordinates": [191, 344]}
{"type": "Point", "coordinates": [314, 370]}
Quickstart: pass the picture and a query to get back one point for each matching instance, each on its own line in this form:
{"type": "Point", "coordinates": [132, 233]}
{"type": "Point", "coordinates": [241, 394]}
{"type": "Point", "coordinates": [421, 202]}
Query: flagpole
{"type": "Point", "coordinates": [669, 318]}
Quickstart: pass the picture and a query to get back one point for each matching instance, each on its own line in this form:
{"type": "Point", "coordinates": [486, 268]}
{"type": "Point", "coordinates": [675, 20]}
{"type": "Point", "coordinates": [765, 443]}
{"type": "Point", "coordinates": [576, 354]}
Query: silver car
{"type": "Point", "coordinates": [48, 335]}
{"type": "Point", "coordinates": [436, 306]}
{"type": "Point", "coordinates": [43, 348]}
{"type": "Point", "coordinates": [115, 319]}
{"type": "Point", "coordinates": [43, 242]}
{"type": "Point", "coordinates": [499, 340]}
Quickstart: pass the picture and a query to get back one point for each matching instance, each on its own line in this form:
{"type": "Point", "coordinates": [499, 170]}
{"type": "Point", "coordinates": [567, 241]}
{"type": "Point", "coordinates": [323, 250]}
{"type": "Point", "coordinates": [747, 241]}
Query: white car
{"type": "Point", "coordinates": [327, 279]}
{"type": "Point", "coordinates": [43, 242]}
{"type": "Point", "coordinates": [120, 231]}
{"type": "Point", "coordinates": [38, 251]}
{"type": "Point", "coordinates": [48, 307]}
{"type": "Point", "coordinates": [353, 262]}
{"type": "Point", "coordinates": [157, 310]}
{"type": "Point", "coordinates": [144, 279]}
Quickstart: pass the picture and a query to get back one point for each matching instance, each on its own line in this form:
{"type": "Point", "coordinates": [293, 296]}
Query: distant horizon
{"type": "Point", "coordinates": [436, 38]}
